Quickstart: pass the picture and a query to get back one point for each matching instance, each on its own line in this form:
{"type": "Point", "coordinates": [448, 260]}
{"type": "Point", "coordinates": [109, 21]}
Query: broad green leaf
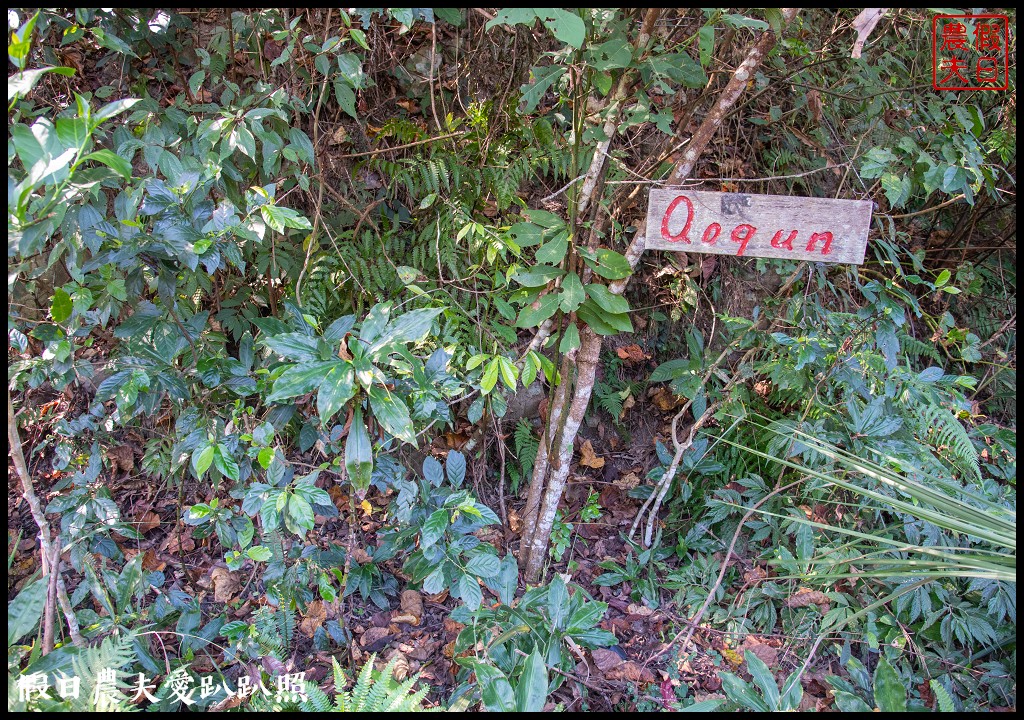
{"type": "Point", "coordinates": [890, 692]}
{"type": "Point", "coordinates": [553, 251]}
{"type": "Point", "coordinates": [24, 612]}
{"type": "Point", "coordinates": [21, 84]}
{"type": "Point", "coordinates": [495, 690]}
{"type": "Point", "coordinates": [485, 565]}
{"type": "Point", "coordinates": [294, 346]}
{"type": "Point", "coordinates": [113, 109]}
{"type": "Point", "coordinates": [433, 528]}
{"type": "Point", "coordinates": [572, 293]}
{"type": "Point", "coordinates": [601, 322]}
{"type": "Point", "coordinates": [607, 263]}
{"type": "Point", "coordinates": [61, 306]}
{"type": "Point", "coordinates": [543, 79]}
{"type": "Point", "coordinates": [278, 218]}
{"type": "Point", "coordinates": [391, 411]}
{"type": "Point", "coordinates": [534, 314]}
{"type": "Point", "coordinates": [223, 461]}
{"type": "Point", "coordinates": [558, 602]}
{"type": "Point", "coordinates": [848, 702]}
{"type": "Point", "coordinates": [570, 339]}
{"type": "Point", "coordinates": [202, 460]}
{"type": "Point", "coordinates": [566, 25]}
{"type": "Point", "coordinates": [530, 368]}
{"type": "Point", "coordinates": [455, 467]}
{"type": "Point", "coordinates": [259, 553]}
{"type": "Point", "coordinates": [112, 160]}
{"type": "Point", "coordinates": [358, 454]}
{"type": "Point", "coordinates": [490, 377]}
{"type": "Point", "coordinates": [739, 692]}
{"type": "Point", "coordinates": [526, 234]}
{"type": "Point", "coordinates": [300, 379]}
{"type": "Point", "coordinates": [532, 690]}
{"type": "Point", "coordinates": [586, 617]}
{"type": "Point", "coordinates": [298, 515]}
{"type": "Point", "coordinates": [508, 371]}
{"type": "Point", "coordinates": [606, 299]}
{"type": "Point", "coordinates": [538, 275]}
{"type": "Point", "coordinates": [412, 326]}
{"type": "Point", "coordinates": [763, 678]}
{"type": "Point", "coordinates": [337, 388]}
{"type": "Point", "coordinates": [470, 592]}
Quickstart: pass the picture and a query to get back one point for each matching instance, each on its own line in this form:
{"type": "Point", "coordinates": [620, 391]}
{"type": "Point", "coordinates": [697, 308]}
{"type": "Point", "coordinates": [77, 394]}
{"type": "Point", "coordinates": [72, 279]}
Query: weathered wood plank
{"type": "Point", "coordinates": [771, 226]}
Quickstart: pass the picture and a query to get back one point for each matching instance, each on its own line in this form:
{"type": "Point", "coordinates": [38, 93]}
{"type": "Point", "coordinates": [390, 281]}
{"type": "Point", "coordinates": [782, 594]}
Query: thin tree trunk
{"type": "Point", "coordinates": [557, 443]}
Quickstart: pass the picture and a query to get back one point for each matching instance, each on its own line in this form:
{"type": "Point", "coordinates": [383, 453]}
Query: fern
{"type": "Point", "coordinates": [374, 692]}
{"type": "Point", "coordinates": [945, 432]}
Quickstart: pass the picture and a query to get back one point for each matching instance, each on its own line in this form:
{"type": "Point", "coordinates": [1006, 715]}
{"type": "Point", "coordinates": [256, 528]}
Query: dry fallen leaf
{"type": "Point", "coordinates": [225, 584]}
{"type": "Point", "coordinates": [606, 660]}
{"type": "Point", "coordinates": [632, 353]}
{"type": "Point", "coordinates": [411, 608]}
{"type": "Point", "coordinates": [631, 672]}
{"type": "Point", "coordinates": [805, 596]}
{"type": "Point", "coordinates": [628, 481]}
{"type": "Point", "coordinates": [314, 619]}
{"type": "Point", "coordinates": [588, 458]}
{"type": "Point", "coordinates": [147, 521]}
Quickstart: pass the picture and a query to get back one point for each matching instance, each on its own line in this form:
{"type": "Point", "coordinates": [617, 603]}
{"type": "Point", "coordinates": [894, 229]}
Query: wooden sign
{"type": "Point", "coordinates": [770, 226]}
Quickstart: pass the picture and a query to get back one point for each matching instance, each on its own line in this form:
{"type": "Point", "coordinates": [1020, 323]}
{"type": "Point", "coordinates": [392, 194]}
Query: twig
{"type": "Point", "coordinates": [694, 623]}
{"type": "Point", "coordinates": [379, 151]}
{"type": "Point", "coordinates": [45, 539]}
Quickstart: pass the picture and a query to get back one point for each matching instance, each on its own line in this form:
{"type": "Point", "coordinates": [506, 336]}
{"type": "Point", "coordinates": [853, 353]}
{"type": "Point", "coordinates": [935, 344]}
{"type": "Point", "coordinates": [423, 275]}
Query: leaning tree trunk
{"type": "Point", "coordinates": [579, 368]}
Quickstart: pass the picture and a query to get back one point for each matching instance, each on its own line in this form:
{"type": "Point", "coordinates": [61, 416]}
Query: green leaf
{"type": "Point", "coordinates": [259, 553]}
{"type": "Point", "coordinates": [434, 528]}
{"type": "Point", "coordinates": [346, 98]}
{"type": "Point", "coordinates": [848, 702]}
{"type": "Point", "coordinates": [566, 25]}
{"type": "Point", "coordinates": [113, 109]}
{"type": "Point", "coordinates": [572, 293]}
{"type": "Point", "coordinates": [763, 678]}
{"type": "Point", "coordinates": [21, 84]}
{"type": "Point", "coordinates": [391, 411]}
{"type": "Point", "coordinates": [602, 322]}
{"type": "Point", "coordinates": [586, 617]}
{"type": "Point", "coordinates": [202, 460]}
{"type": "Point", "coordinates": [508, 372]}
{"type": "Point", "coordinates": [112, 160]}
{"type": "Point", "coordinates": [299, 515]}
{"type": "Point", "coordinates": [606, 299]}
{"type": "Point", "coordinates": [570, 339]}
{"type": "Point", "coordinates": [537, 312]}
{"type": "Point", "coordinates": [61, 306]}
{"type": "Point", "coordinates": [265, 457]}
{"type": "Point", "coordinates": [337, 388]}
{"type": "Point", "coordinates": [358, 454]}
{"type": "Point", "coordinates": [890, 693]}
{"type": "Point", "coordinates": [543, 79]}
{"type": "Point", "coordinates": [558, 602]}
{"type": "Point", "coordinates": [538, 275]}
{"type": "Point", "coordinates": [490, 377]}
{"type": "Point", "coordinates": [223, 461]}
{"type": "Point", "coordinates": [553, 251]}
{"type": "Point", "coordinates": [409, 327]}
{"type": "Point", "coordinates": [279, 218]}
{"type": "Point", "coordinates": [300, 379]}
{"type": "Point", "coordinates": [741, 693]}
{"type": "Point", "coordinates": [485, 565]}
{"type": "Point", "coordinates": [469, 591]}
{"type": "Point", "coordinates": [526, 234]}
{"type": "Point", "coordinates": [532, 690]}
{"type": "Point", "coordinates": [295, 346]}
{"type": "Point", "coordinates": [607, 263]}
{"type": "Point", "coordinates": [706, 43]}
{"type": "Point", "coordinates": [495, 690]}
{"type": "Point", "coordinates": [530, 367]}
{"type": "Point", "coordinates": [24, 612]}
